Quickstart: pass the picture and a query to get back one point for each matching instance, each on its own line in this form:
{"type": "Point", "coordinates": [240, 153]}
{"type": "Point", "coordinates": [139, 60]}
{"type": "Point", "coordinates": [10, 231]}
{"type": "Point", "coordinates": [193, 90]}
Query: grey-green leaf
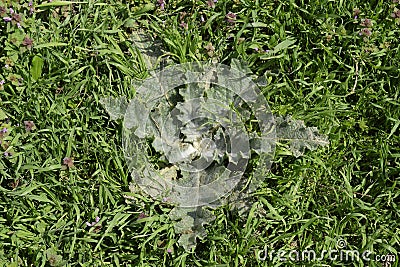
{"type": "Point", "coordinates": [190, 224]}
{"type": "Point", "coordinates": [150, 49]}
{"type": "Point", "coordinates": [241, 66]}
{"type": "Point", "coordinates": [115, 107]}
{"type": "Point", "coordinates": [298, 135]}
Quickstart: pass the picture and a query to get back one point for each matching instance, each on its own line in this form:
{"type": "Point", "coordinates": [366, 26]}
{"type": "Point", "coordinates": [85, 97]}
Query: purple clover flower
{"type": "Point", "coordinates": [29, 126]}
{"type": "Point", "coordinates": [30, 3]}
{"type": "Point", "coordinates": [4, 130]}
{"type": "Point", "coordinates": [2, 82]}
{"type": "Point", "coordinates": [93, 223]}
{"type": "Point", "coordinates": [2, 10]}
{"type": "Point", "coordinates": [161, 3]}
{"type": "Point", "coordinates": [183, 25]}
{"type": "Point", "coordinates": [366, 23]}
{"type": "Point", "coordinates": [231, 17]}
{"type": "Point", "coordinates": [6, 154]}
{"type": "Point", "coordinates": [356, 12]}
{"type": "Point", "coordinates": [7, 19]}
{"type": "Point", "coordinates": [11, 11]}
{"type": "Point", "coordinates": [142, 216]}
{"type": "Point", "coordinates": [17, 17]}
{"type": "Point", "coordinates": [68, 162]}
{"type": "Point", "coordinates": [211, 3]}
{"type": "Point", "coordinates": [19, 25]}
{"type": "Point", "coordinates": [396, 14]}
{"type": "Point", "coordinates": [366, 32]}
{"type": "Point", "coordinates": [27, 42]}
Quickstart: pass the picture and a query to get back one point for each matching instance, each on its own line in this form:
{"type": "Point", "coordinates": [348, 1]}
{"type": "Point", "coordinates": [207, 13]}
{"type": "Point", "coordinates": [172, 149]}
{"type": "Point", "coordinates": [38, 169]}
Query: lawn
{"type": "Point", "coordinates": [67, 197]}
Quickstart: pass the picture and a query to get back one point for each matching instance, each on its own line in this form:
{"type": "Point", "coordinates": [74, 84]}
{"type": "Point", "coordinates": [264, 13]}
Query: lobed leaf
{"type": "Point", "coordinates": [298, 135]}
{"type": "Point", "coordinates": [115, 107]}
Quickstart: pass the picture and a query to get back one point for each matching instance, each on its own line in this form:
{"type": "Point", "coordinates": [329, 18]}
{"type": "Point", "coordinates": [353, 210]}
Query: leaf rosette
{"type": "Point", "coordinates": [199, 134]}
{"type": "Point", "coordinates": [191, 117]}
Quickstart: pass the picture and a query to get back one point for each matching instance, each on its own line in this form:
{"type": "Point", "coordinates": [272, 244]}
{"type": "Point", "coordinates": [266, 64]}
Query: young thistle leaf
{"type": "Point", "coordinates": [298, 135]}
{"type": "Point", "coordinates": [190, 224]}
{"type": "Point", "coordinates": [115, 107]}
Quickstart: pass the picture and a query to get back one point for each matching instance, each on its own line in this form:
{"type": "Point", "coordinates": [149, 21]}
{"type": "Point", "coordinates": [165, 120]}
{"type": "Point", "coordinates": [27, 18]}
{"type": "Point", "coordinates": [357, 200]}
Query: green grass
{"type": "Point", "coordinates": [345, 84]}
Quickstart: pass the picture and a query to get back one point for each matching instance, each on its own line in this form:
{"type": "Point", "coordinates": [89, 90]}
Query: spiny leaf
{"type": "Point", "coordinates": [190, 224]}
{"type": "Point", "coordinates": [192, 91]}
{"type": "Point", "coordinates": [115, 107]}
{"type": "Point", "coordinates": [150, 49]}
{"type": "Point", "coordinates": [298, 135]}
{"type": "Point", "coordinates": [202, 144]}
{"type": "Point", "coordinates": [241, 66]}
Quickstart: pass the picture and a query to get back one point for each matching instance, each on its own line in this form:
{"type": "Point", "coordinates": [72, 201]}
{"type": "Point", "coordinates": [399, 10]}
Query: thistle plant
{"type": "Point", "coordinates": [206, 123]}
